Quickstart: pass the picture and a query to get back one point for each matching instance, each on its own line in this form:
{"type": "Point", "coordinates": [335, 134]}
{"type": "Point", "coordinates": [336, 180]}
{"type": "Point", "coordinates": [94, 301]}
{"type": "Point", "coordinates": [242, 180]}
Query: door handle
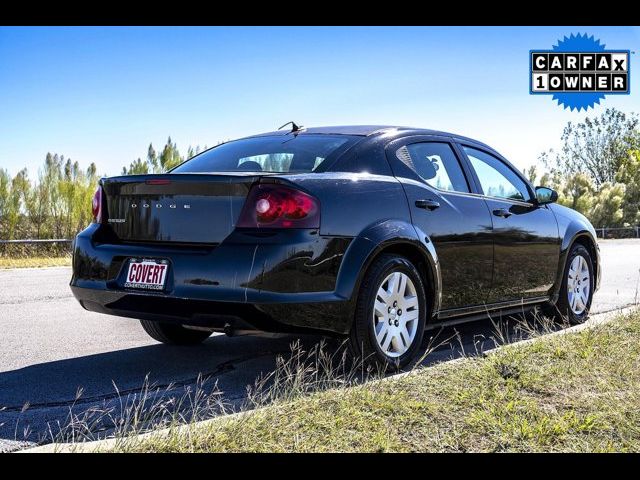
{"type": "Point", "coordinates": [502, 212]}
{"type": "Point", "coordinates": [428, 204]}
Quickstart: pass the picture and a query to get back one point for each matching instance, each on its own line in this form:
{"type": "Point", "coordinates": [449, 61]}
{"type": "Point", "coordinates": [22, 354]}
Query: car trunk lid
{"type": "Point", "coordinates": [180, 208]}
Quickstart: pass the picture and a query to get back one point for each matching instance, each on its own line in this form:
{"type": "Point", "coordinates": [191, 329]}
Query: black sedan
{"type": "Point", "coordinates": [370, 232]}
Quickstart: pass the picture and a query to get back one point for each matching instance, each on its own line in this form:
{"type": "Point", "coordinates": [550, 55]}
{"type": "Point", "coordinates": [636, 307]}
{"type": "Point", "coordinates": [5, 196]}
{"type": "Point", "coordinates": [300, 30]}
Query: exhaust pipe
{"type": "Point", "coordinates": [229, 331]}
{"type": "Point", "coordinates": [232, 332]}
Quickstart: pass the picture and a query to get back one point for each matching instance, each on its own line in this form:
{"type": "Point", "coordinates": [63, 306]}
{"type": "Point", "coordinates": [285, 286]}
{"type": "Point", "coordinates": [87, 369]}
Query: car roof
{"type": "Point", "coordinates": [369, 130]}
{"type": "Point", "coordinates": [357, 130]}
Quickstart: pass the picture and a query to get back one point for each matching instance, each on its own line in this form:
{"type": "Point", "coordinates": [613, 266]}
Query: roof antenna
{"type": "Point", "coordinates": [294, 127]}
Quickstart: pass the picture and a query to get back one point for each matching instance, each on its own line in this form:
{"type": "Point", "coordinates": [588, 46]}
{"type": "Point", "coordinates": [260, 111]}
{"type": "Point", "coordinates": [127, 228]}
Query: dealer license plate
{"type": "Point", "coordinates": [146, 274]}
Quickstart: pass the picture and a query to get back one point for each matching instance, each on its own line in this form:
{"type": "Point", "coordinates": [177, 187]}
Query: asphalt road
{"type": "Point", "coordinates": [50, 348]}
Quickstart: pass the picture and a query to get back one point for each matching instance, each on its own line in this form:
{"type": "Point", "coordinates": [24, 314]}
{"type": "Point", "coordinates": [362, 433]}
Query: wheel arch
{"type": "Point", "coordinates": [590, 244]}
{"type": "Point", "coordinates": [588, 240]}
{"type": "Point", "coordinates": [391, 237]}
{"type": "Point", "coordinates": [420, 259]}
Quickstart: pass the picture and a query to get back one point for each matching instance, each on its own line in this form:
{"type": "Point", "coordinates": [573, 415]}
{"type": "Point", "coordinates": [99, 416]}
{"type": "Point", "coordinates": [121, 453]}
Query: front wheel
{"type": "Point", "coordinates": [390, 314]}
{"type": "Point", "coordinates": [576, 293]}
{"type": "Point", "coordinates": [173, 333]}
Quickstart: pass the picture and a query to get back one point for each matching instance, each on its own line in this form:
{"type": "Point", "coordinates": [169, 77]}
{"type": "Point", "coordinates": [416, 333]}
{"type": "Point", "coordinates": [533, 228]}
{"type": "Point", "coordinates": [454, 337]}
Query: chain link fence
{"type": "Point", "coordinates": [55, 247]}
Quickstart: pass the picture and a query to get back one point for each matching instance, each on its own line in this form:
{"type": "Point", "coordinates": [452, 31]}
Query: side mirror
{"type": "Point", "coordinates": [546, 195]}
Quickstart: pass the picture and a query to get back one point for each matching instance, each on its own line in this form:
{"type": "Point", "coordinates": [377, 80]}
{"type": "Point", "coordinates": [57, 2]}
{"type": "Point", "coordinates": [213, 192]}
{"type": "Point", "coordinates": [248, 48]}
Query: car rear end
{"type": "Point", "coordinates": [235, 248]}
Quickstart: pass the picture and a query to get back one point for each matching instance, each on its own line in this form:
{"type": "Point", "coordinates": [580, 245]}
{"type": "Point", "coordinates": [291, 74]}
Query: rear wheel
{"type": "Point", "coordinates": [576, 293]}
{"type": "Point", "coordinates": [173, 333]}
{"type": "Point", "coordinates": [390, 314]}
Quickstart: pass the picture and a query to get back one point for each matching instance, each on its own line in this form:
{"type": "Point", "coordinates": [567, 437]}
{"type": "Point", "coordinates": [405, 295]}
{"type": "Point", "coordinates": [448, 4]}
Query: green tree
{"type": "Point", "coordinates": [68, 186]}
{"type": "Point", "coordinates": [14, 206]}
{"type": "Point", "coordinates": [170, 156]}
{"type": "Point", "coordinates": [152, 159]}
{"type": "Point", "coordinates": [531, 173]}
{"type": "Point", "coordinates": [596, 146]}
{"type": "Point", "coordinates": [53, 177]}
{"type": "Point", "coordinates": [629, 175]}
{"type": "Point", "coordinates": [88, 185]}
{"type": "Point", "coordinates": [136, 168]}
{"type": "Point", "coordinates": [5, 192]}
{"type": "Point", "coordinates": [35, 202]}
{"type": "Point", "coordinates": [577, 192]}
{"type": "Point", "coordinates": [192, 152]}
{"type": "Point", "coordinates": [607, 210]}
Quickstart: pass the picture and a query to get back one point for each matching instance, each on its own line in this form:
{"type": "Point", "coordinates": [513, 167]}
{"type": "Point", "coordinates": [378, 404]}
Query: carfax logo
{"type": "Point", "coordinates": [579, 72]}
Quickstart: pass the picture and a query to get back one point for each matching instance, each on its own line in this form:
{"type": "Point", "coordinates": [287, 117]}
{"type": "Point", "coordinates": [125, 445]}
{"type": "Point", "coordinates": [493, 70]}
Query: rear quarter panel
{"type": "Point", "coordinates": [373, 211]}
{"type": "Point", "coordinates": [351, 202]}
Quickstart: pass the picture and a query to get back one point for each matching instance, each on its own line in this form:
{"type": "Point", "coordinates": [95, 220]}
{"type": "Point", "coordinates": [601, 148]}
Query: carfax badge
{"type": "Point", "coordinates": [578, 72]}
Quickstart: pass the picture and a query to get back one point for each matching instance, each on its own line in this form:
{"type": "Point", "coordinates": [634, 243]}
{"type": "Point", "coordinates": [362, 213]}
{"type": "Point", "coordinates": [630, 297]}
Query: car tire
{"type": "Point", "coordinates": [576, 292]}
{"type": "Point", "coordinates": [367, 339]}
{"type": "Point", "coordinates": [173, 333]}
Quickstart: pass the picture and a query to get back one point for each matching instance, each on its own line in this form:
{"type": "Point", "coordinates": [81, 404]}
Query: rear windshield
{"type": "Point", "coordinates": [278, 153]}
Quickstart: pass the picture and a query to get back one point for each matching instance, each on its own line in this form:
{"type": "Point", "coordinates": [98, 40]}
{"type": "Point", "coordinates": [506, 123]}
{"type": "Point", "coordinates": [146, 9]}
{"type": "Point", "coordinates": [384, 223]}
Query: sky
{"type": "Point", "coordinates": [102, 94]}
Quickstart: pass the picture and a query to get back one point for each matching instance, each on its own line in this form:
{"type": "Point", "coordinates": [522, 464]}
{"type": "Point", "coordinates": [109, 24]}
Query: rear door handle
{"type": "Point", "coordinates": [502, 212]}
{"type": "Point", "coordinates": [428, 204]}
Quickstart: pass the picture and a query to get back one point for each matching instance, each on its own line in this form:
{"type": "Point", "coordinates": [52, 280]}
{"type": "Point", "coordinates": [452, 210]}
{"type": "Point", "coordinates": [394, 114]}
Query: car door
{"type": "Point", "coordinates": [444, 210]}
{"type": "Point", "coordinates": [525, 234]}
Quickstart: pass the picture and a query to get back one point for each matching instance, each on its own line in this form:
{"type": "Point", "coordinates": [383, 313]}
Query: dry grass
{"type": "Point", "coordinates": [152, 408]}
{"type": "Point", "coordinates": [578, 391]}
{"type": "Point", "coordinates": [7, 262]}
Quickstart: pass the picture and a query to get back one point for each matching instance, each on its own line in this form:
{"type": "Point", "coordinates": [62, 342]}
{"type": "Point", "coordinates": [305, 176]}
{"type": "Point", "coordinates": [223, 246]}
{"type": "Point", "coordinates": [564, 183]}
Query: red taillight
{"type": "Point", "coordinates": [96, 205]}
{"type": "Point", "coordinates": [277, 206]}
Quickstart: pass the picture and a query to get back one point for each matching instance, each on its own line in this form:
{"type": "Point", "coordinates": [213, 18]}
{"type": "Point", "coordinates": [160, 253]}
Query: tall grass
{"type": "Point", "coordinates": [302, 372]}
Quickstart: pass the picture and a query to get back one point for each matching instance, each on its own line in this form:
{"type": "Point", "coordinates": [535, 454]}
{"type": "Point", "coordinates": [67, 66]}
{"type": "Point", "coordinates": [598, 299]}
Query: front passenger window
{"type": "Point", "coordinates": [496, 178]}
{"type": "Point", "coordinates": [436, 164]}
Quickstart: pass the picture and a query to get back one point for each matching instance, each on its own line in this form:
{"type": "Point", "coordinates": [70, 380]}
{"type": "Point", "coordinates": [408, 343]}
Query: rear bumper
{"type": "Point", "coordinates": [284, 281]}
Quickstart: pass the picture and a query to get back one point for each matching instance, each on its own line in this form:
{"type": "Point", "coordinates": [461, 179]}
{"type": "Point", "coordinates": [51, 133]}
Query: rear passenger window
{"type": "Point", "coordinates": [436, 164]}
